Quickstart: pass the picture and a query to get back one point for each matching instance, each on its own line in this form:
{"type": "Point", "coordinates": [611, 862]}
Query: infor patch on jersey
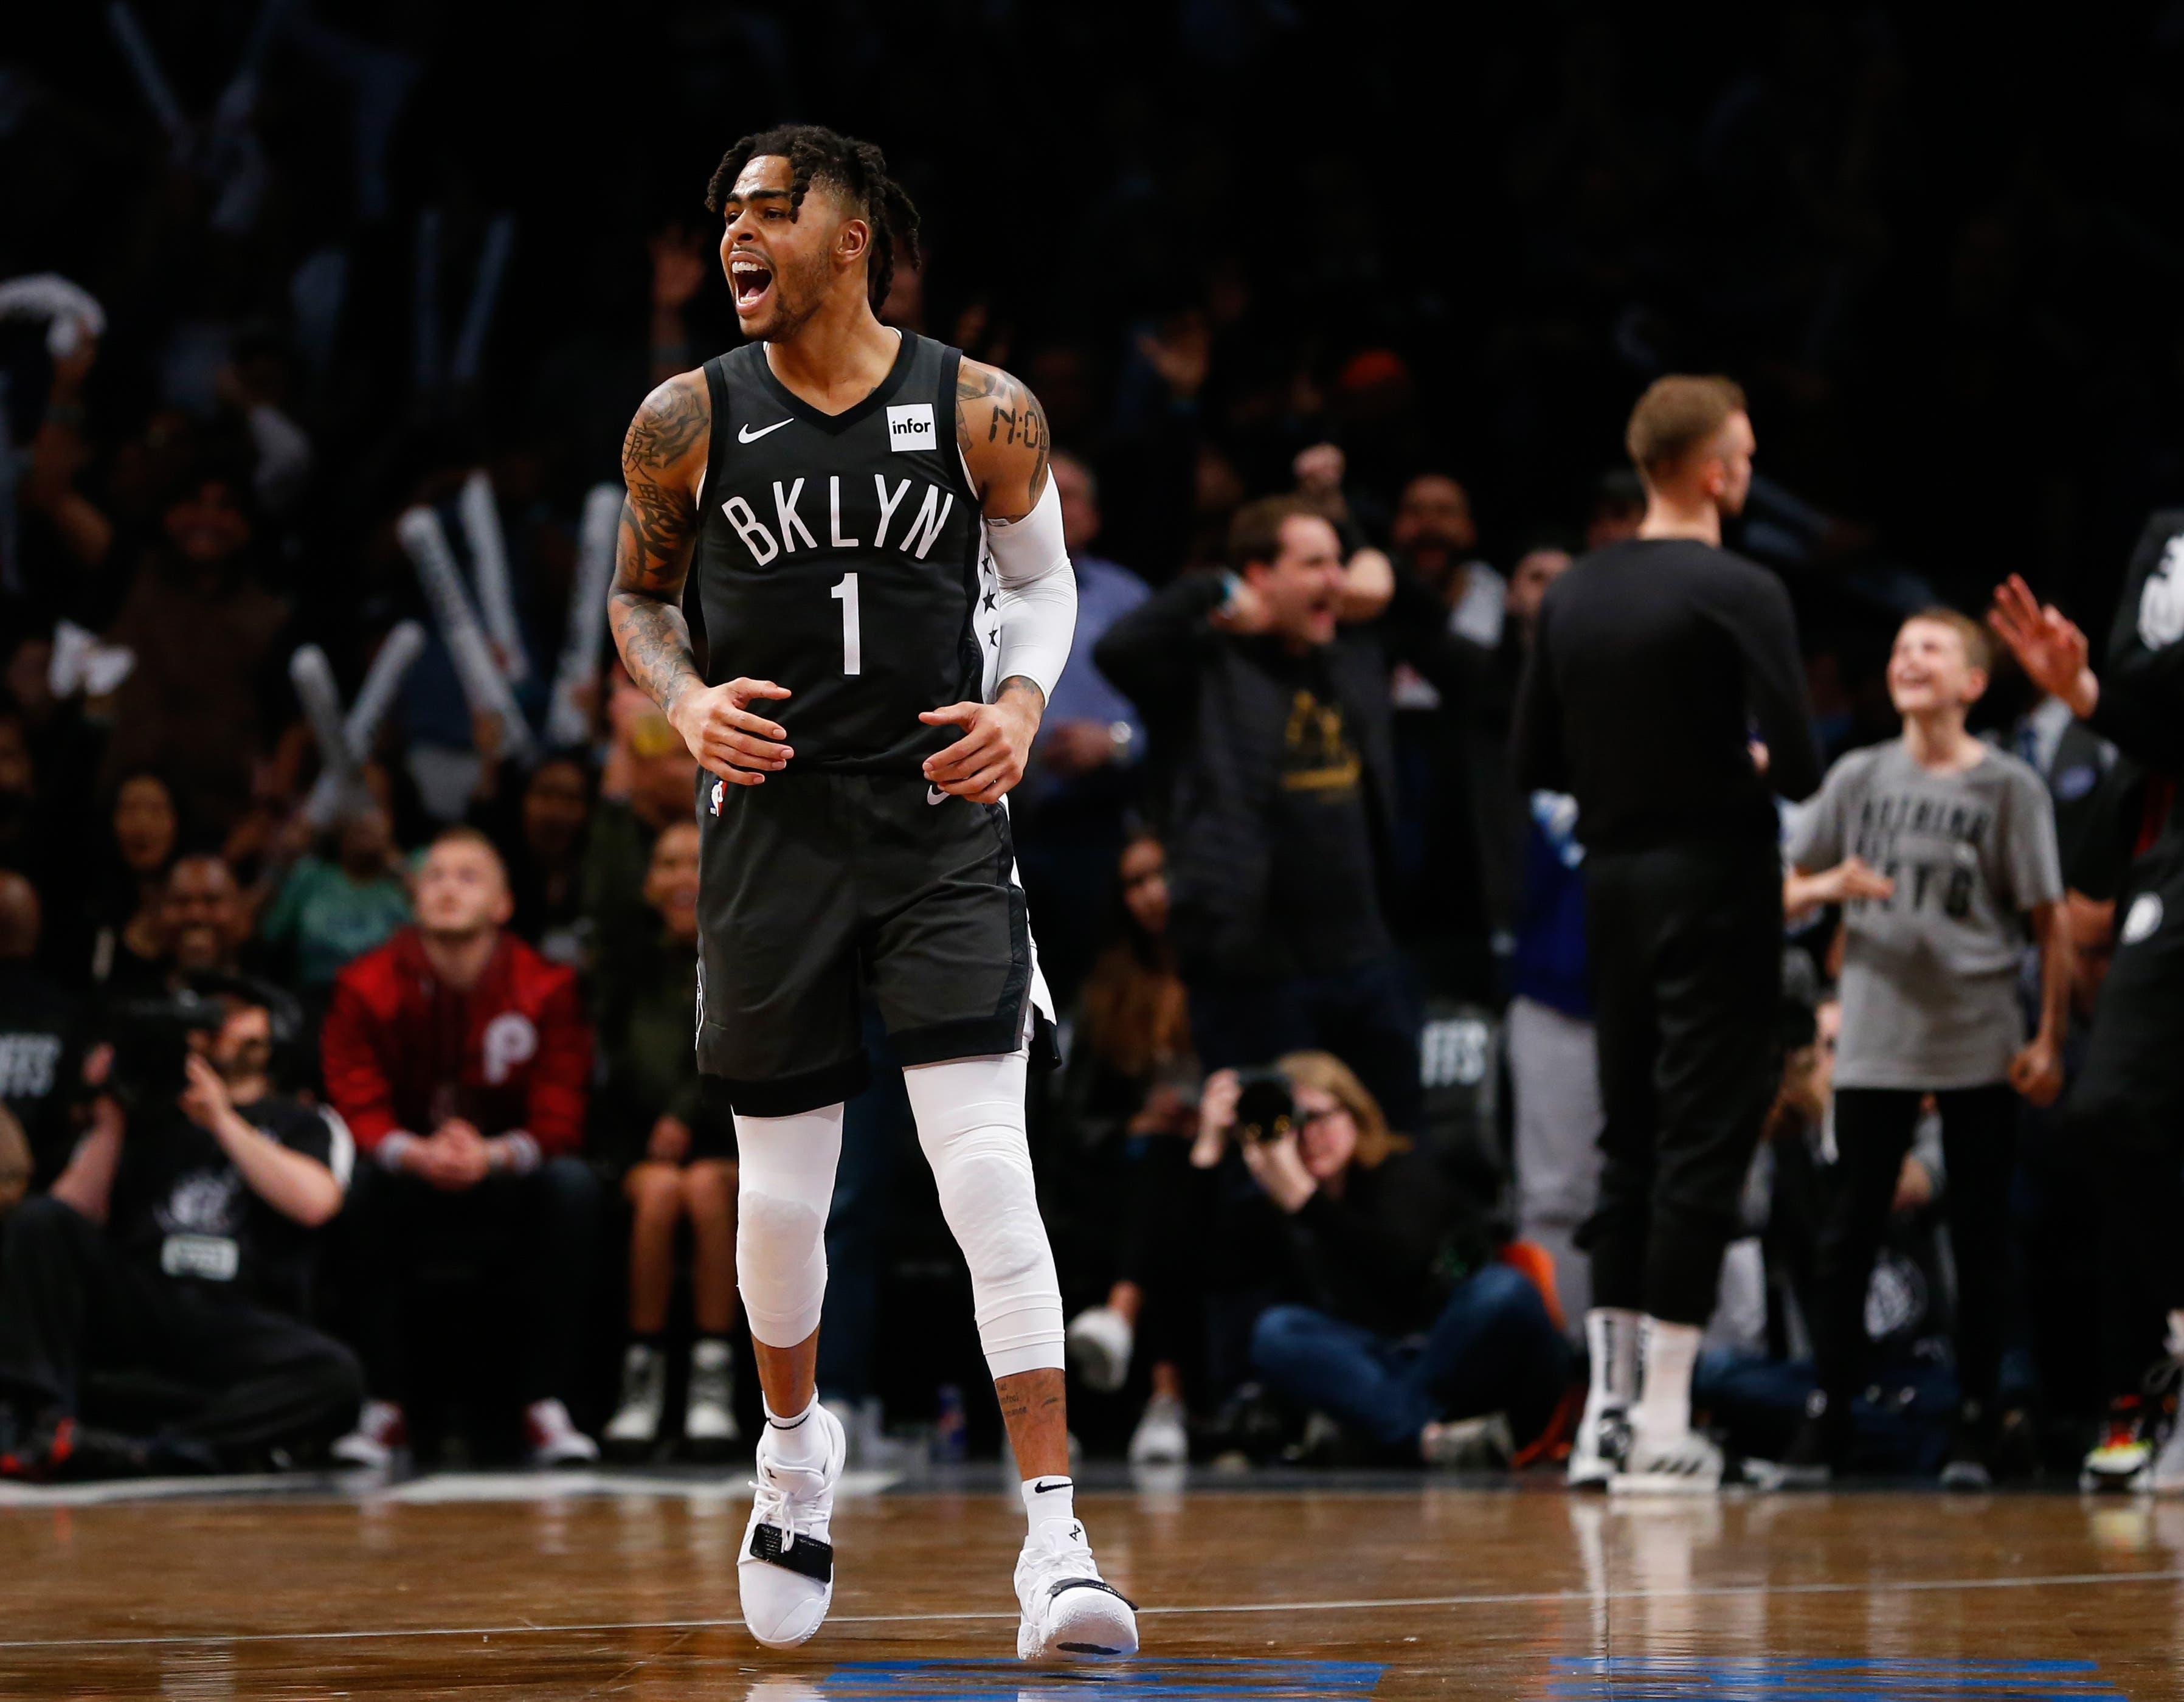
{"type": "Point", "coordinates": [909, 426]}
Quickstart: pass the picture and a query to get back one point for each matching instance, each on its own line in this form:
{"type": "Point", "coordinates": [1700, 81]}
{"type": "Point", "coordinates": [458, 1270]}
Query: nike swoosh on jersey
{"type": "Point", "coordinates": [745, 435]}
{"type": "Point", "coordinates": [933, 795]}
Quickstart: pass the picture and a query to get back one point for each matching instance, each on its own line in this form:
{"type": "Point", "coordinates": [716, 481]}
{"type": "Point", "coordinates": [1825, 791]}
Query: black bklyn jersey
{"type": "Point", "coordinates": [843, 556]}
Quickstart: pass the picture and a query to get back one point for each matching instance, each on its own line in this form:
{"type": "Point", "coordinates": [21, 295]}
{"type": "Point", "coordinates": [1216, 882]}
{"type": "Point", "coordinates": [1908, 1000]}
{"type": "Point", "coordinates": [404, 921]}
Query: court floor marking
{"type": "Point", "coordinates": [1511, 1599]}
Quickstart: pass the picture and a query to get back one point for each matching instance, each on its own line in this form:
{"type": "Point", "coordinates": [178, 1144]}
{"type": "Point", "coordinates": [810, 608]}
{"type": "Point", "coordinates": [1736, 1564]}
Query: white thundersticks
{"type": "Point", "coordinates": [785, 1572]}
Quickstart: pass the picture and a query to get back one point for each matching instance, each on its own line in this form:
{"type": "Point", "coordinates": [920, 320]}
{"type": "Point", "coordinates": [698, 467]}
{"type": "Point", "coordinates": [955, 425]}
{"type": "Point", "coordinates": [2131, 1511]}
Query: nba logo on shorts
{"type": "Point", "coordinates": [719, 791]}
{"type": "Point", "coordinates": [909, 426]}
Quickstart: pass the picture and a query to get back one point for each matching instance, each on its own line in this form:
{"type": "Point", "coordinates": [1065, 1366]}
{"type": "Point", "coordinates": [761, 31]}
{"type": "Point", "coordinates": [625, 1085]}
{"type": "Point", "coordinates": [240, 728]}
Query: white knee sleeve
{"type": "Point", "coordinates": [785, 1181]}
{"type": "Point", "coordinates": [971, 1122]}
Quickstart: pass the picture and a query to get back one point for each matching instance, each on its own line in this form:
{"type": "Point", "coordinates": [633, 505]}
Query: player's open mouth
{"type": "Point", "coordinates": [751, 280]}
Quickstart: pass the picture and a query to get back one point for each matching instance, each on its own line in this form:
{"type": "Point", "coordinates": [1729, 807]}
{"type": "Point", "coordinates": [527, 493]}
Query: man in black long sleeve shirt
{"type": "Point", "coordinates": [1666, 692]}
{"type": "Point", "coordinates": [1272, 757]}
{"type": "Point", "coordinates": [2129, 1094]}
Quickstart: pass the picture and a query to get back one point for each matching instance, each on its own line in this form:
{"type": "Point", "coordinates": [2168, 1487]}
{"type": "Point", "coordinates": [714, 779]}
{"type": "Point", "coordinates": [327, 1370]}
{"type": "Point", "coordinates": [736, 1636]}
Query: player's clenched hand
{"type": "Point", "coordinates": [727, 736]}
{"type": "Point", "coordinates": [990, 757]}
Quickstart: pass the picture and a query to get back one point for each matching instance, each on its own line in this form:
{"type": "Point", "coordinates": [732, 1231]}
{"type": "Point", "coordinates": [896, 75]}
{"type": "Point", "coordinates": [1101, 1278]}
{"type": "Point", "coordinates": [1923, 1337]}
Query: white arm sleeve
{"type": "Point", "coordinates": [1037, 607]}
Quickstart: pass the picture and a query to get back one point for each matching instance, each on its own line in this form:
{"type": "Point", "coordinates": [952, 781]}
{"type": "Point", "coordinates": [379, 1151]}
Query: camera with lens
{"type": "Point", "coordinates": [151, 1041]}
{"type": "Point", "coordinates": [1266, 1105]}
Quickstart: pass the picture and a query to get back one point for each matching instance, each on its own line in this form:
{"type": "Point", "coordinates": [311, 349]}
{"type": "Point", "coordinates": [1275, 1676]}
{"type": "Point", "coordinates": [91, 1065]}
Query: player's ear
{"type": "Point", "coordinates": [853, 239]}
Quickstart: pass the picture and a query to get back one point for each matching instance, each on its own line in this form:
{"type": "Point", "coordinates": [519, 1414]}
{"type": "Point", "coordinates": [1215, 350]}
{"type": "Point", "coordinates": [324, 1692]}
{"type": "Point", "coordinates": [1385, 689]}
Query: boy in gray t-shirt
{"type": "Point", "coordinates": [1942, 851]}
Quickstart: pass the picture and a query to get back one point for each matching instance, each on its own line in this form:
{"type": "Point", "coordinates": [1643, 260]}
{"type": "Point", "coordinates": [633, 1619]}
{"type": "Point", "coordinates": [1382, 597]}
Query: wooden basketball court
{"type": "Point", "coordinates": [620, 1585]}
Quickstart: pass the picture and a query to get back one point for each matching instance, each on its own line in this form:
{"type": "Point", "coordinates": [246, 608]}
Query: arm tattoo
{"type": "Point", "coordinates": [652, 547]}
{"type": "Point", "coordinates": [1012, 415]}
{"type": "Point", "coordinates": [1016, 682]}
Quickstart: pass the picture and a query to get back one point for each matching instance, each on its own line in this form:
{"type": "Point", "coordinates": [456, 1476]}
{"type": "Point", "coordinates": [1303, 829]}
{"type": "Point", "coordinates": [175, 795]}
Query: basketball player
{"type": "Point", "coordinates": [1653, 659]}
{"type": "Point", "coordinates": [852, 498]}
{"type": "Point", "coordinates": [2129, 1095]}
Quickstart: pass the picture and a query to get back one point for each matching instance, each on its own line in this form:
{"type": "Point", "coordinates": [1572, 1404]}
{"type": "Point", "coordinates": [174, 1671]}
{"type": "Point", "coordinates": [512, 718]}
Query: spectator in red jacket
{"type": "Point", "coordinates": [458, 1057]}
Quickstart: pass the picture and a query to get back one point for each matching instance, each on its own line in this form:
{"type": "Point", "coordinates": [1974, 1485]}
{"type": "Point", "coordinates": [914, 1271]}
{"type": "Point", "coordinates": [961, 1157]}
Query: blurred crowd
{"type": "Point", "coordinates": [348, 891]}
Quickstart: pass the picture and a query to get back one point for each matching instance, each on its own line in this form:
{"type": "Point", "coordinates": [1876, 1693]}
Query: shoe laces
{"type": "Point", "coordinates": [1053, 1552]}
{"type": "Point", "coordinates": [791, 1514]}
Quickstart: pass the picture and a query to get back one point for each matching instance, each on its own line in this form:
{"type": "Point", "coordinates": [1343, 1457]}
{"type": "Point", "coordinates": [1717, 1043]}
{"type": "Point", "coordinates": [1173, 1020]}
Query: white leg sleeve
{"type": "Point", "coordinates": [971, 1122]}
{"type": "Point", "coordinates": [785, 1181]}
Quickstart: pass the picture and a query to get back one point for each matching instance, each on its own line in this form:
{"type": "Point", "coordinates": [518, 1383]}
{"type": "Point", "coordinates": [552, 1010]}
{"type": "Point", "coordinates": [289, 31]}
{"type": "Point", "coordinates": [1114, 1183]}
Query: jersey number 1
{"type": "Point", "coordinates": [853, 643]}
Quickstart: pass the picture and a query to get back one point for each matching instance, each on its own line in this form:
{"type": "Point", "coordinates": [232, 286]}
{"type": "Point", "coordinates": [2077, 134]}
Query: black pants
{"type": "Point", "coordinates": [1685, 944]}
{"type": "Point", "coordinates": [70, 1304]}
{"type": "Point", "coordinates": [2128, 1105]}
{"type": "Point", "coordinates": [530, 1241]}
{"type": "Point", "coordinates": [1873, 1127]}
{"type": "Point", "coordinates": [1367, 1016]}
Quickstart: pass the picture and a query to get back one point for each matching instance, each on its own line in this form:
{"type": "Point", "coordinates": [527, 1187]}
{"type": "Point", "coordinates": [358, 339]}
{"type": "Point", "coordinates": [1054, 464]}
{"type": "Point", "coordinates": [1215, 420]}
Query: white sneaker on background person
{"type": "Point", "coordinates": [1679, 1463]}
{"type": "Point", "coordinates": [1069, 1610]}
{"type": "Point", "coordinates": [554, 1437]}
{"type": "Point", "coordinates": [1484, 1444]}
{"type": "Point", "coordinates": [709, 1411]}
{"type": "Point", "coordinates": [785, 1569]}
{"type": "Point", "coordinates": [1098, 1343]}
{"type": "Point", "coordinates": [1603, 1439]}
{"type": "Point", "coordinates": [1162, 1436]}
{"type": "Point", "coordinates": [635, 1426]}
{"type": "Point", "coordinates": [381, 1430]}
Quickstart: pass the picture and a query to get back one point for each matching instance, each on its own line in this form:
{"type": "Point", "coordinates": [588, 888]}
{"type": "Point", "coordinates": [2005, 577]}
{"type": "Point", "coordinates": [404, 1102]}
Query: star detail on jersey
{"type": "Point", "coordinates": [745, 435]}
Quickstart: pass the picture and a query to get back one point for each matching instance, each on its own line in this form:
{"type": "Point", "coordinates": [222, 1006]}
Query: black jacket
{"type": "Point", "coordinates": [1215, 715]}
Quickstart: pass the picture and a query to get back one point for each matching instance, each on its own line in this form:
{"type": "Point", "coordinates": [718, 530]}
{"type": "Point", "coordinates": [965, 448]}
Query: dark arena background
{"type": "Point", "coordinates": [368, 1315]}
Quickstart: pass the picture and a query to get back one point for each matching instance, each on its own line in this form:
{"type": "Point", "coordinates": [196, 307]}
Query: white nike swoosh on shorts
{"type": "Point", "coordinates": [745, 435]}
{"type": "Point", "coordinates": [933, 795]}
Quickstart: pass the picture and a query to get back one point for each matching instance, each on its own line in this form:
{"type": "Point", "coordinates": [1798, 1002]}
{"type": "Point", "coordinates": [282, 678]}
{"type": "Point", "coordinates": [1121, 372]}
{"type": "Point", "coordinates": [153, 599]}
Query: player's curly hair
{"type": "Point", "coordinates": [856, 169]}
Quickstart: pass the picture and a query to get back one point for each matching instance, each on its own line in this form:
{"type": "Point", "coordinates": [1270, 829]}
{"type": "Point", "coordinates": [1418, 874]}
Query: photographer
{"type": "Point", "coordinates": [1387, 1323]}
{"type": "Point", "coordinates": [178, 1244]}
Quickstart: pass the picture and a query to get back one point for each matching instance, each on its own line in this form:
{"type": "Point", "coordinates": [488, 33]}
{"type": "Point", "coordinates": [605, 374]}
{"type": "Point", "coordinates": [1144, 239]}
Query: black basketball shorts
{"type": "Point", "coordinates": [819, 890]}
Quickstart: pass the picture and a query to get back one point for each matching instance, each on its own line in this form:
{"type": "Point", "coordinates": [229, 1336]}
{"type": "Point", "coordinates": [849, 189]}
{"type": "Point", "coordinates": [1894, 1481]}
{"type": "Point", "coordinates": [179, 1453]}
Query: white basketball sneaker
{"type": "Point", "coordinates": [555, 1441]}
{"type": "Point", "coordinates": [1603, 1440]}
{"type": "Point", "coordinates": [635, 1426]}
{"type": "Point", "coordinates": [709, 1417]}
{"type": "Point", "coordinates": [1162, 1436]}
{"type": "Point", "coordinates": [785, 1572]}
{"type": "Point", "coordinates": [380, 1432]}
{"type": "Point", "coordinates": [1683, 1463]}
{"type": "Point", "coordinates": [1068, 1609]}
{"type": "Point", "coordinates": [1099, 1340]}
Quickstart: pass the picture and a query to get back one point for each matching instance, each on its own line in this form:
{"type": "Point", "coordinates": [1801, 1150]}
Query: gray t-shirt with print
{"type": "Point", "coordinates": [1929, 975]}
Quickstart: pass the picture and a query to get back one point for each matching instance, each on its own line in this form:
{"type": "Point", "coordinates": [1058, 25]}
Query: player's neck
{"type": "Point", "coordinates": [458, 959]}
{"type": "Point", "coordinates": [1936, 739]}
{"type": "Point", "coordinates": [838, 357]}
{"type": "Point", "coordinates": [1671, 514]}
